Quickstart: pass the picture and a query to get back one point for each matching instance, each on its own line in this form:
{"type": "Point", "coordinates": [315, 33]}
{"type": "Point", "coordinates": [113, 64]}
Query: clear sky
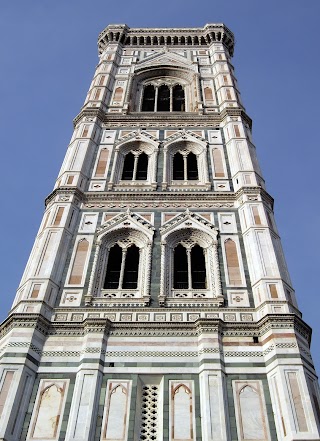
{"type": "Point", "coordinates": [48, 54]}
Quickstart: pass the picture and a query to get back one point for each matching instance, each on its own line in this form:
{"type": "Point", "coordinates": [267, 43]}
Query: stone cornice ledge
{"type": "Point", "coordinates": [161, 119]}
{"type": "Point", "coordinates": [200, 326]}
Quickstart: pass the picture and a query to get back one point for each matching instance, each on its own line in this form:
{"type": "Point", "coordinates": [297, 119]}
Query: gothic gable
{"type": "Point", "coordinates": [127, 220]}
{"type": "Point", "coordinates": [188, 220]}
{"type": "Point", "coordinates": [164, 58]}
{"type": "Point", "coordinates": [139, 136]}
{"type": "Point", "coordinates": [184, 135]}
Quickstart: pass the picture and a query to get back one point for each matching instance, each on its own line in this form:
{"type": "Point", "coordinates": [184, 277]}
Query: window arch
{"type": "Point", "coordinates": [122, 263]}
{"type": "Point", "coordinates": [178, 167]}
{"type": "Point", "coordinates": [142, 167]}
{"type": "Point", "coordinates": [189, 266]}
{"type": "Point", "coordinates": [122, 268]}
{"type": "Point", "coordinates": [127, 172]}
{"type": "Point", "coordinates": [135, 164]}
{"type": "Point", "coordinates": [185, 164]}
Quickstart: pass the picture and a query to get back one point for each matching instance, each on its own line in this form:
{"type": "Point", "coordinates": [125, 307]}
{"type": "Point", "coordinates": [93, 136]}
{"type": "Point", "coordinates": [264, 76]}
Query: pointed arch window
{"type": "Point", "coordinates": [178, 103]}
{"type": "Point", "coordinates": [135, 167]}
{"type": "Point", "coordinates": [198, 268]}
{"type": "Point", "coordinates": [163, 102]}
{"type": "Point", "coordinates": [148, 99]}
{"type": "Point", "coordinates": [122, 268]}
{"type": "Point", "coordinates": [189, 268]}
{"type": "Point", "coordinates": [131, 268]}
{"type": "Point", "coordinates": [142, 167]}
{"type": "Point", "coordinates": [192, 167]}
{"type": "Point", "coordinates": [113, 268]}
{"type": "Point", "coordinates": [128, 166]}
{"type": "Point", "coordinates": [178, 167]}
{"type": "Point", "coordinates": [180, 268]}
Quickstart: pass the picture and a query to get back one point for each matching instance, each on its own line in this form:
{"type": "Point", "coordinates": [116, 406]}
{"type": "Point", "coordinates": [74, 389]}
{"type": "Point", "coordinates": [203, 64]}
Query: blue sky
{"type": "Point", "coordinates": [48, 54]}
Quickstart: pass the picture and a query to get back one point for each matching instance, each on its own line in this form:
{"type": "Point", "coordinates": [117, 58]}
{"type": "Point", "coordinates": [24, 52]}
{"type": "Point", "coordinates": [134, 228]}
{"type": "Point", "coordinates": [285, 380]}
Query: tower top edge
{"type": "Point", "coordinates": [122, 33]}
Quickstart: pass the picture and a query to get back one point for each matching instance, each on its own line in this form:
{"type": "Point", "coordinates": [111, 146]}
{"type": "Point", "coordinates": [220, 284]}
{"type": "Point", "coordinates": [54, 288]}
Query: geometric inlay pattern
{"type": "Point", "coordinates": [149, 412]}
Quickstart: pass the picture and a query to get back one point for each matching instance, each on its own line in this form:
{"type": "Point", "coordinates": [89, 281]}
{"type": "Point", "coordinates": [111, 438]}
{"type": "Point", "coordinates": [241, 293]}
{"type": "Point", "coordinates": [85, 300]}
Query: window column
{"type": "Point", "coordinates": [123, 263]}
{"type": "Point", "coordinates": [171, 99]}
{"type": "Point", "coordinates": [135, 165]}
{"type": "Point", "coordinates": [189, 268]}
{"type": "Point", "coordinates": [156, 98]}
{"type": "Point", "coordinates": [185, 167]}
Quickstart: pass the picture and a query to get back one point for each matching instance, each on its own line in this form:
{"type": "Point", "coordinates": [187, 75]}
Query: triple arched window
{"type": "Point", "coordinates": [164, 98]}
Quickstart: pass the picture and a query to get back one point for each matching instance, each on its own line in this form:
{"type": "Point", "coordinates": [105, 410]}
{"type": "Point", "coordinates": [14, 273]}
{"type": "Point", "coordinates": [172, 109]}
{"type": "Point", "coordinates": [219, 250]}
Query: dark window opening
{"type": "Point", "coordinates": [113, 268]}
{"type": "Point", "coordinates": [148, 99]}
{"type": "Point", "coordinates": [130, 277]}
{"type": "Point", "coordinates": [192, 167]}
{"type": "Point", "coordinates": [178, 167]}
{"type": "Point", "coordinates": [180, 277]}
{"type": "Point", "coordinates": [163, 104]}
{"type": "Point", "coordinates": [127, 172]}
{"type": "Point", "coordinates": [178, 104]}
{"type": "Point", "coordinates": [198, 268]}
{"type": "Point", "coordinates": [142, 167]}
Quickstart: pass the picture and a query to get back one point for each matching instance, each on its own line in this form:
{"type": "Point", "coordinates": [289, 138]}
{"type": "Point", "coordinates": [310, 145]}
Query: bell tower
{"type": "Point", "coordinates": [156, 303]}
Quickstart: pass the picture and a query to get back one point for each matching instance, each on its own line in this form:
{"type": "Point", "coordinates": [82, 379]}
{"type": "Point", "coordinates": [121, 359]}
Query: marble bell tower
{"type": "Point", "coordinates": [156, 303]}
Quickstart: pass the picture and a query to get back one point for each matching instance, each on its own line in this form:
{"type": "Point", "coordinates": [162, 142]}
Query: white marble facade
{"type": "Point", "coordinates": [115, 336]}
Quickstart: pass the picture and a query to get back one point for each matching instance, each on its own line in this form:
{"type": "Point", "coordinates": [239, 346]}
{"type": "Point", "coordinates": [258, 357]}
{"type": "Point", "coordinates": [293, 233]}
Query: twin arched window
{"type": "Point", "coordinates": [163, 98]}
{"type": "Point", "coordinates": [122, 268]}
{"type": "Point", "coordinates": [185, 167]}
{"type": "Point", "coordinates": [135, 167]}
{"type": "Point", "coordinates": [189, 268]}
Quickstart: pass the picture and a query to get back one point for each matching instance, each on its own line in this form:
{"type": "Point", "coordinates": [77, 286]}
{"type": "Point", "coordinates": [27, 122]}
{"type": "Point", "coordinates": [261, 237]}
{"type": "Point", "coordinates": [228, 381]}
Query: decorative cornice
{"type": "Point", "coordinates": [196, 328]}
{"type": "Point", "coordinates": [161, 120]}
{"type": "Point", "coordinates": [65, 191]}
{"type": "Point", "coordinates": [177, 37]}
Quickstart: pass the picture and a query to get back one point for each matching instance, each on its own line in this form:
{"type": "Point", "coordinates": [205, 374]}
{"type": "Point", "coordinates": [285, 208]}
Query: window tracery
{"type": "Point", "coordinates": [134, 164]}
{"type": "Point", "coordinates": [185, 164]}
{"type": "Point", "coordinates": [189, 261]}
{"type": "Point", "coordinates": [122, 261]}
{"type": "Point", "coordinates": [164, 97]}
